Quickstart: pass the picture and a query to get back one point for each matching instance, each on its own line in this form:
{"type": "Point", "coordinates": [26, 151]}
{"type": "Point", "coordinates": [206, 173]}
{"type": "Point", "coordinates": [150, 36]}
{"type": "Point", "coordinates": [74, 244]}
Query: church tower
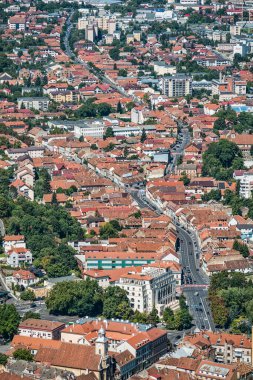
{"type": "Point", "coordinates": [101, 344]}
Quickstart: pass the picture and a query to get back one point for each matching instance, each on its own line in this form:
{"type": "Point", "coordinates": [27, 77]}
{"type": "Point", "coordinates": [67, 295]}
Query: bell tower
{"type": "Point", "coordinates": [101, 344]}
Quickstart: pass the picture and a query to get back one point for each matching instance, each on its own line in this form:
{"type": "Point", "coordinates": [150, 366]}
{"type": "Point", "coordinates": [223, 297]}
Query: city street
{"type": "Point", "coordinates": [102, 77]}
{"type": "Point", "coordinates": [196, 282]}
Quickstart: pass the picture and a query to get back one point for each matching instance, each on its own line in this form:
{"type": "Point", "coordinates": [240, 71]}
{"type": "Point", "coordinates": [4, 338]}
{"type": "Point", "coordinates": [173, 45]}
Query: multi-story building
{"type": "Point", "coordinates": [229, 348]}
{"type": "Point", "coordinates": [39, 328]}
{"type": "Point", "coordinates": [116, 259]}
{"type": "Point", "coordinates": [66, 96]}
{"type": "Point", "coordinates": [246, 185]}
{"type": "Point", "coordinates": [17, 257]}
{"type": "Point", "coordinates": [162, 68]}
{"type": "Point", "coordinates": [153, 287]}
{"type": "Point", "coordinates": [11, 241]}
{"type": "Point", "coordinates": [36, 103]}
{"type": "Point", "coordinates": [228, 87]}
{"type": "Point", "coordinates": [209, 370]}
{"type": "Point", "coordinates": [178, 85]}
{"type": "Point", "coordinates": [135, 346]}
{"type": "Point", "coordinates": [104, 23]}
{"type": "Point", "coordinates": [235, 30]}
{"type": "Point", "coordinates": [32, 151]}
{"type": "Point", "coordinates": [17, 22]}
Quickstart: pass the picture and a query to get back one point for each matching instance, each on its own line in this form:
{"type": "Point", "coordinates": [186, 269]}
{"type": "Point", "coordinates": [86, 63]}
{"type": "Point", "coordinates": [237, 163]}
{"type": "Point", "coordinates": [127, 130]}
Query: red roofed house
{"type": "Point", "coordinates": [10, 241]}
{"type": "Point", "coordinates": [24, 278]}
{"type": "Point", "coordinates": [40, 328]}
{"type": "Point", "coordinates": [19, 256]}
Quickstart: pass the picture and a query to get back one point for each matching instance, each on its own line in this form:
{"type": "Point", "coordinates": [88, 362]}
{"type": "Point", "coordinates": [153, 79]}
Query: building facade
{"type": "Point", "coordinates": [178, 85]}
{"type": "Point", "coordinates": [153, 287]}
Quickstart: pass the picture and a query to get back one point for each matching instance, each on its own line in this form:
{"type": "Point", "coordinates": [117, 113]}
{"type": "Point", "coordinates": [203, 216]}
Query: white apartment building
{"type": "Point", "coordinates": [246, 185]}
{"type": "Point", "coordinates": [235, 30]}
{"type": "Point", "coordinates": [104, 23]}
{"type": "Point", "coordinates": [98, 129]}
{"type": "Point", "coordinates": [177, 85]}
{"type": "Point", "coordinates": [37, 103]}
{"type": "Point", "coordinates": [94, 129]}
{"type": "Point", "coordinates": [17, 257]}
{"type": "Point", "coordinates": [153, 287]}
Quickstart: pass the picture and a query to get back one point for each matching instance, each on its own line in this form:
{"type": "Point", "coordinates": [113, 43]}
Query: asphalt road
{"type": "Point", "coordinates": [2, 228]}
{"type": "Point", "coordinates": [195, 286]}
{"type": "Point", "coordinates": [196, 282]}
{"type": "Point", "coordinates": [177, 151]}
{"type": "Point", "coordinates": [23, 307]}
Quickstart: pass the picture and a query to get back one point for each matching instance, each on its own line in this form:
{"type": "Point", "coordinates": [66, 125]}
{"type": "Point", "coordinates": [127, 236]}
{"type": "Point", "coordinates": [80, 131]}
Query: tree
{"type": "Point", "coordinates": [220, 123]}
{"type": "Point", "coordinates": [116, 303]}
{"type": "Point", "coordinates": [108, 231]}
{"type": "Point", "coordinates": [182, 319]}
{"type": "Point", "coordinates": [23, 354]}
{"type": "Point", "coordinates": [3, 359]}
{"type": "Point", "coordinates": [139, 317]}
{"type": "Point", "coordinates": [54, 199]}
{"type": "Point", "coordinates": [122, 73]}
{"type": "Point", "coordinates": [186, 180]}
{"type": "Point", "coordinates": [242, 248]}
{"type": "Point", "coordinates": [104, 109]}
{"type": "Point", "coordinates": [116, 225]}
{"type": "Point", "coordinates": [30, 314]}
{"type": "Point", "coordinates": [114, 53]}
{"type": "Point", "coordinates": [42, 184]}
{"type": "Point", "coordinates": [143, 135]}
{"type": "Point", "coordinates": [213, 194]}
{"type": "Point", "coordinates": [168, 316]}
{"type": "Point", "coordinates": [219, 311]}
{"type": "Point", "coordinates": [27, 295]}
{"type": "Point", "coordinates": [75, 298]}
{"type": "Point", "coordinates": [108, 133]}
{"type": "Point", "coordinates": [119, 108]}
{"type": "Point", "coordinates": [153, 317]}
{"type": "Point", "coordinates": [221, 159]}
{"type": "Point", "coordinates": [9, 321]}
{"type": "Point", "coordinates": [5, 207]}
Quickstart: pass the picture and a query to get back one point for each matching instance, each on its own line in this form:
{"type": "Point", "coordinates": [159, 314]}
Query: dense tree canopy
{"type": "Point", "coordinates": [116, 303]}
{"type": "Point", "coordinates": [9, 321]}
{"type": "Point", "coordinates": [42, 183]}
{"type": "Point", "coordinates": [228, 119]}
{"type": "Point", "coordinates": [221, 159]}
{"type": "Point", "coordinates": [47, 229]}
{"type": "Point", "coordinates": [180, 319]}
{"type": "Point", "coordinates": [91, 109]}
{"type": "Point", "coordinates": [231, 297]}
{"type": "Point", "coordinates": [76, 298]}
